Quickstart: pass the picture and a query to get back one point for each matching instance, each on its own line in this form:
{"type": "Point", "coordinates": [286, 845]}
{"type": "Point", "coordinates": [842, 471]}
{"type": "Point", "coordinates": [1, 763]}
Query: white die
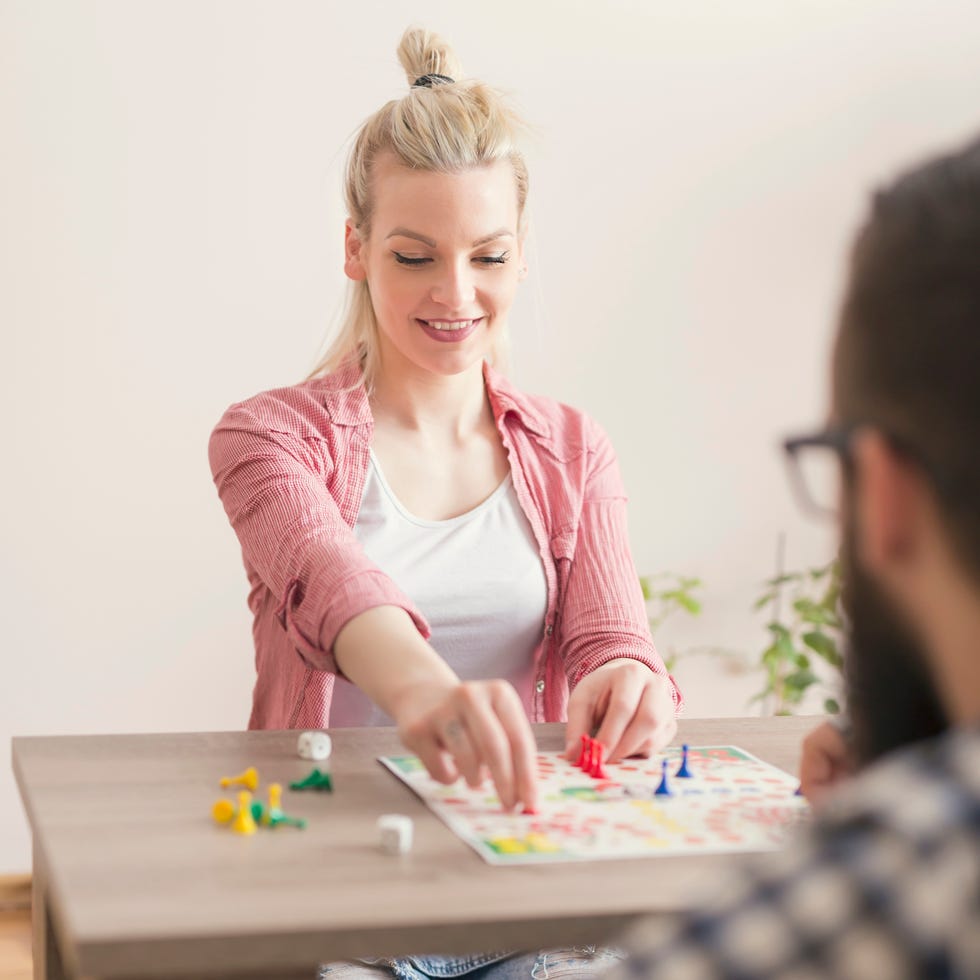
{"type": "Point", "coordinates": [314, 745]}
{"type": "Point", "coordinates": [396, 833]}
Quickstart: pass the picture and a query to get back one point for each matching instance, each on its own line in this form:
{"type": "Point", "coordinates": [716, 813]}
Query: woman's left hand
{"type": "Point", "coordinates": [627, 705]}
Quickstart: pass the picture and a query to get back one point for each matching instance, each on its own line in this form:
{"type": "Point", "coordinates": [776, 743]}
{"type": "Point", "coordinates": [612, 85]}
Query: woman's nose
{"type": "Point", "coordinates": [454, 288]}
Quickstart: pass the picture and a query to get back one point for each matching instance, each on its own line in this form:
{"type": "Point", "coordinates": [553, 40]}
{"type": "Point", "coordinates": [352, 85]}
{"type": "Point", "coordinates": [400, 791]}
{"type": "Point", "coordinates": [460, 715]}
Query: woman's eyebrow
{"type": "Point", "coordinates": [405, 233]}
{"type": "Point", "coordinates": [499, 233]}
{"type": "Point", "coordinates": [425, 240]}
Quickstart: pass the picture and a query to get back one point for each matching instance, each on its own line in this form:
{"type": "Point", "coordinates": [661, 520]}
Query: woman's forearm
{"type": "Point", "coordinates": [382, 652]}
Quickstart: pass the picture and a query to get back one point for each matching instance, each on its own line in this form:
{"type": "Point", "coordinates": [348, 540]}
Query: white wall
{"type": "Point", "coordinates": [170, 229]}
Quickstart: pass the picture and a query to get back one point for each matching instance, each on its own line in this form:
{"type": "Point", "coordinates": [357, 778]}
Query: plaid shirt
{"type": "Point", "coordinates": [885, 885]}
{"type": "Point", "coordinates": [290, 466]}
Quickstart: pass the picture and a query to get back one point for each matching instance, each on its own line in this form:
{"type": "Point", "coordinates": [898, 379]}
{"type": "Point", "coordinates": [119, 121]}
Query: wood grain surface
{"type": "Point", "coordinates": [139, 881]}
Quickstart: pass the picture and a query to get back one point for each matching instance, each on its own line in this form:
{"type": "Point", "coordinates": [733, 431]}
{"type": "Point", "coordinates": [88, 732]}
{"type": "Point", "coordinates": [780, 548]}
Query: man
{"type": "Point", "coordinates": [886, 883]}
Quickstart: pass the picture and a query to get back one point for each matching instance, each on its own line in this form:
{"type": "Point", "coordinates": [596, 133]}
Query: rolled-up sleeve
{"type": "Point", "coordinates": [274, 487]}
{"type": "Point", "coordinates": [603, 615]}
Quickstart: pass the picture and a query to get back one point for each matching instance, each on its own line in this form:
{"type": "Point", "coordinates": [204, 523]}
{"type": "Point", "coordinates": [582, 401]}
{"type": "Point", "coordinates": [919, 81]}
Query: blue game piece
{"type": "Point", "coordinates": [663, 789]}
{"type": "Point", "coordinates": [682, 771]}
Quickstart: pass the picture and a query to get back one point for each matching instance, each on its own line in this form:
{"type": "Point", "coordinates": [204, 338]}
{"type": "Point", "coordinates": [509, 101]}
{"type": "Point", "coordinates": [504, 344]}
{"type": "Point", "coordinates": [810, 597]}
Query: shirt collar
{"type": "Point", "coordinates": [345, 399]}
{"type": "Point", "coordinates": [344, 395]}
{"type": "Point", "coordinates": [505, 398]}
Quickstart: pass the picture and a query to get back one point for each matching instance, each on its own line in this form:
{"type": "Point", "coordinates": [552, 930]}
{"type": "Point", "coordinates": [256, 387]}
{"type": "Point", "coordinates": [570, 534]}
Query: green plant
{"type": "Point", "coordinates": [811, 628]}
{"type": "Point", "coordinates": [666, 594]}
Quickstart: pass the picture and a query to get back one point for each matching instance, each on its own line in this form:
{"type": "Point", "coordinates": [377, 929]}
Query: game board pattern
{"type": "Point", "coordinates": [732, 802]}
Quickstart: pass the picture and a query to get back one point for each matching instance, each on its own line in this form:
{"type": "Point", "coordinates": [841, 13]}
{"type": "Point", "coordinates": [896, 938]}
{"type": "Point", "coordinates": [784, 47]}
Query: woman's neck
{"type": "Point", "coordinates": [439, 406]}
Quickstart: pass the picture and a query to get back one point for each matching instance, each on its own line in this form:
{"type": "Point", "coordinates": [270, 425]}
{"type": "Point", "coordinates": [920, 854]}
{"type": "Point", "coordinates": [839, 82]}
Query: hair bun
{"type": "Point", "coordinates": [424, 53]}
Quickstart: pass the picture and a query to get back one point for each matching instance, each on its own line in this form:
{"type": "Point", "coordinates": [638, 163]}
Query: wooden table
{"type": "Point", "coordinates": [133, 879]}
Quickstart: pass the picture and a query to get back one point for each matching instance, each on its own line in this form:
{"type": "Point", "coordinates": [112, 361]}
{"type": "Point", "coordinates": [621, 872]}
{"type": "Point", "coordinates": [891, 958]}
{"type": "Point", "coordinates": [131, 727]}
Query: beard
{"type": "Point", "coordinates": [891, 696]}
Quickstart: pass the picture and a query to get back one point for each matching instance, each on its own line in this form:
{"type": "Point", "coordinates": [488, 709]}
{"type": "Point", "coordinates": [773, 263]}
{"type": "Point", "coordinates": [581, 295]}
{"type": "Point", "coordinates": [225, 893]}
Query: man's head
{"type": "Point", "coordinates": [906, 390]}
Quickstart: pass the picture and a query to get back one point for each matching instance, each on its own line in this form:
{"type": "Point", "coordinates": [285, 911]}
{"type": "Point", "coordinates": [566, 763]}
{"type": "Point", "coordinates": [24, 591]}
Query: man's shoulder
{"type": "Point", "coordinates": [918, 792]}
{"type": "Point", "coordinates": [882, 883]}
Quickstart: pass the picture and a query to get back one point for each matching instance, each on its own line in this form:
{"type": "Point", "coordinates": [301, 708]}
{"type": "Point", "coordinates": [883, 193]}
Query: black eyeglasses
{"type": "Point", "coordinates": [814, 463]}
{"type": "Point", "coordinates": [816, 460]}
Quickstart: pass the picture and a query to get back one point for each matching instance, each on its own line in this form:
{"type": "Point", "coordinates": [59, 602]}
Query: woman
{"type": "Point", "coordinates": [426, 545]}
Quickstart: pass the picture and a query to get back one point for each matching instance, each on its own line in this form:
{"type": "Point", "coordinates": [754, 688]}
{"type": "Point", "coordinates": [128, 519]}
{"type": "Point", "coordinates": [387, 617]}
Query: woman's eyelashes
{"type": "Point", "coordinates": [419, 260]}
{"type": "Point", "coordinates": [494, 259]}
{"type": "Point", "coordinates": [409, 259]}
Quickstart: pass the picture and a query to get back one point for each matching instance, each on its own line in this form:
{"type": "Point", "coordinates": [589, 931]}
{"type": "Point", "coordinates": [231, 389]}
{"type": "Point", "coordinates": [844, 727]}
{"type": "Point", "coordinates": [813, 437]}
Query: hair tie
{"type": "Point", "coordinates": [427, 81]}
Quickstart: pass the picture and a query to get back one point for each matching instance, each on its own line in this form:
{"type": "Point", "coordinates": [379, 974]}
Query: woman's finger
{"type": "Point", "coordinates": [491, 747]}
{"type": "Point", "coordinates": [653, 724]}
{"type": "Point", "coordinates": [463, 745]}
{"type": "Point", "coordinates": [523, 755]}
{"type": "Point", "coordinates": [424, 742]}
{"type": "Point", "coordinates": [581, 717]}
{"type": "Point", "coordinates": [622, 701]}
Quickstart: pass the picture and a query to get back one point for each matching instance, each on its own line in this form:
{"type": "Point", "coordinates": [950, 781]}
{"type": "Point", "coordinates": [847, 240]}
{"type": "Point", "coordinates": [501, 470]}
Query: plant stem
{"type": "Point", "coordinates": [777, 610]}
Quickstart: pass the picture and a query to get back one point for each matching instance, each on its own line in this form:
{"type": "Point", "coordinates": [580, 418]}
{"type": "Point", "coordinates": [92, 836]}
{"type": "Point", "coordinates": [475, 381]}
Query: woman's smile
{"type": "Point", "coordinates": [449, 331]}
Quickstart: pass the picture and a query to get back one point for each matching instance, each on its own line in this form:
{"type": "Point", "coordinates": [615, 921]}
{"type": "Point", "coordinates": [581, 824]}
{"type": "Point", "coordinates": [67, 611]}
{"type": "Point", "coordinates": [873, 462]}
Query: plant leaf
{"type": "Point", "coordinates": [800, 680]}
{"type": "Point", "coordinates": [777, 629]}
{"type": "Point", "coordinates": [824, 646]}
{"type": "Point", "coordinates": [690, 604]}
{"type": "Point", "coordinates": [819, 643]}
{"type": "Point", "coordinates": [771, 657]}
{"type": "Point", "coordinates": [786, 649]}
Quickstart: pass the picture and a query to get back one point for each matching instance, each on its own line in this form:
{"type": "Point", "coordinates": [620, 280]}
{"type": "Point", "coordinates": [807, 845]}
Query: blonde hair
{"type": "Point", "coordinates": [444, 127]}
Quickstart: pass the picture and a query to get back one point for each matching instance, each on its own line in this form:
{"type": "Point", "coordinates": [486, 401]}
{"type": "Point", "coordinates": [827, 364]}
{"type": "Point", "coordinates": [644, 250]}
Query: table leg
{"type": "Point", "coordinates": [47, 957]}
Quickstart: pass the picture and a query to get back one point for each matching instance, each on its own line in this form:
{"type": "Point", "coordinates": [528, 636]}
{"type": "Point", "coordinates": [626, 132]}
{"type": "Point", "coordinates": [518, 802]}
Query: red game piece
{"type": "Point", "coordinates": [597, 771]}
{"type": "Point", "coordinates": [583, 756]}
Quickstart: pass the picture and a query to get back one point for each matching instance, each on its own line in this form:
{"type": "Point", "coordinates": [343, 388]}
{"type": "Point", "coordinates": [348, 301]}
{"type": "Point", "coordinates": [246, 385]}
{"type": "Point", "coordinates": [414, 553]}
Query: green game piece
{"type": "Point", "coordinates": [316, 780]}
{"type": "Point", "coordinates": [258, 811]}
{"type": "Point", "coordinates": [274, 815]}
{"type": "Point", "coordinates": [277, 817]}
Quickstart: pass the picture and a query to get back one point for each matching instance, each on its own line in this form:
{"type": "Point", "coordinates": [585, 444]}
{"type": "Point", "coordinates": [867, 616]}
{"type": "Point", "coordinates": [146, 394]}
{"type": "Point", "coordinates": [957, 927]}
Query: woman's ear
{"type": "Point", "coordinates": [353, 258]}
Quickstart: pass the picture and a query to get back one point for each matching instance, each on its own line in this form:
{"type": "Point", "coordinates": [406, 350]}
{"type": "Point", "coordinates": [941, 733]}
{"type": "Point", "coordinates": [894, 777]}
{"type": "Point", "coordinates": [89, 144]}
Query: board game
{"type": "Point", "coordinates": [730, 801]}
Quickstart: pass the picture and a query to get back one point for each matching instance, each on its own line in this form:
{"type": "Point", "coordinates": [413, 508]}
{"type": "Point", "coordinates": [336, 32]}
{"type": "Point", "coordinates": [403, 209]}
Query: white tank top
{"type": "Point", "coordinates": [477, 579]}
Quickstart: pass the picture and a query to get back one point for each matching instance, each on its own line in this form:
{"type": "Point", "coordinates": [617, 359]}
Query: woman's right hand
{"type": "Point", "coordinates": [457, 728]}
{"type": "Point", "coordinates": [827, 761]}
{"type": "Point", "coordinates": [470, 729]}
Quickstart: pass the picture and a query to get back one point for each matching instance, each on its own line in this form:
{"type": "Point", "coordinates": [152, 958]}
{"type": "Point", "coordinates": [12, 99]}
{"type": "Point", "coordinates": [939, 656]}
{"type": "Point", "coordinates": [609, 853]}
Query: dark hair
{"type": "Point", "coordinates": [908, 351]}
{"type": "Point", "coordinates": [892, 697]}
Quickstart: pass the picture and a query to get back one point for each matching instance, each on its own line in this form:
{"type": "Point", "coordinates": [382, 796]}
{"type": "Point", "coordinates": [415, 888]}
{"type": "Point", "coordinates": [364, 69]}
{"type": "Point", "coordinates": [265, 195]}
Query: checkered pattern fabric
{"type": "Point", "coordinates": [885, 885]}
{"type": "Point", "coordinates": [290, 467]}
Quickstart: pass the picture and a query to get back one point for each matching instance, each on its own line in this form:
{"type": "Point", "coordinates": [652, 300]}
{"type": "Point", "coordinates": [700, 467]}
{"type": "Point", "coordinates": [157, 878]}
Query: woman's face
{"type": "Point", "coordinates": [442, 262]}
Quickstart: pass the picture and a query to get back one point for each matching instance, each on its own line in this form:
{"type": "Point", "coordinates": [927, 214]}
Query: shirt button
{"type": "Point", "coordinates": [539, 687]}
{"type": "Point", "coordinates": [549, 629]}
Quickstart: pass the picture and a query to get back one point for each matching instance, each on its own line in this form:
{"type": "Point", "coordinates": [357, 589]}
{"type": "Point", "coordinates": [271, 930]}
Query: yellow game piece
{"type": "Point", "coordinates": [223, 811]}
{"type": "Point", "coordinates": [249, 778]}
{"type": "Point", "coordinates": [275, 797]}
{"type": "Point", "coordinates": [244, 822]}
{"type": "Point", "coordinates": [274, 817]}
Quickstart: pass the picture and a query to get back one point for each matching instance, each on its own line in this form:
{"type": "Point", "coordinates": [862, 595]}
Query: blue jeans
{"type": "Point", "coordinates": [550, 964]}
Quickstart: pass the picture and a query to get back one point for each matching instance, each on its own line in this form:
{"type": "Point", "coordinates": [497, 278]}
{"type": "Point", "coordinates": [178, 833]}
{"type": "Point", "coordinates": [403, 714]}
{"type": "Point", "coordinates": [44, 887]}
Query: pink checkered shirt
{"type": "Point", "coordinates": [290, 466]}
